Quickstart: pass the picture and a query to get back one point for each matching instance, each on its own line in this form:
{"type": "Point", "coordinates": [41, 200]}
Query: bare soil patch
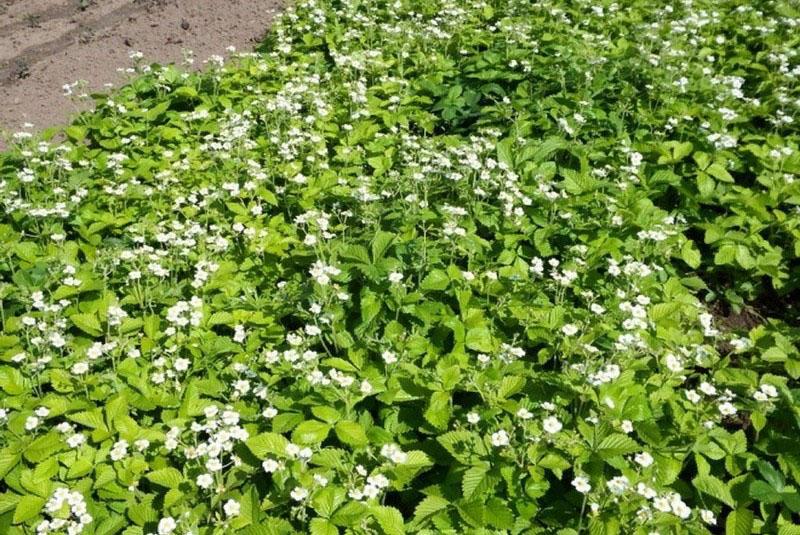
{"type": "Point", "coordinates": [45, 44]}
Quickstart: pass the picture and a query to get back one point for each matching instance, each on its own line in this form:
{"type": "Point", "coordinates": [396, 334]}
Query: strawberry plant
{"type": "Point", "coordinates": [416, 267]}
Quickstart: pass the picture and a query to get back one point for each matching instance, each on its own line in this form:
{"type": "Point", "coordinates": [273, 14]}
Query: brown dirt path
{"type": "Point", "coordinates": [45, 44]}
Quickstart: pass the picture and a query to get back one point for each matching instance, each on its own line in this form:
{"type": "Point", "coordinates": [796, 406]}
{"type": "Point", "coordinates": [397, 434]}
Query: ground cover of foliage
{"type": "Point", "coordinates": [417, 267]}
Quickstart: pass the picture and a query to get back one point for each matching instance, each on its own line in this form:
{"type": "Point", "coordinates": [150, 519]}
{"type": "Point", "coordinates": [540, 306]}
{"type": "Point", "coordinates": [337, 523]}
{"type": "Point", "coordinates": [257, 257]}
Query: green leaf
{"type": "Point", "coordinates": [370, 306]}
{"type": "Point", "coordinates": [310, 432]}
{"type": "Point", "coordinates": [617, 444]}
{"type": "Point", "coordinates": [773, 477]}
{"type": "Point", "coordinates": [479, 339]}
{"type": "Point", "coordinates": [111, 525]}
{"type": "Point", "coordinates": [436, 280]}
{"type": "Point", "coordinates": [499, 514]}
{"type": "Point", "coordinates": [429, 507]}
{"type": "Point", "coordinates": [11, 381]}
{"type": "Point", "coordinates": [380, 244]}
{"type": "Point", "coordinates": [472, 481]}
{"type": "Point", "coordinates": [321, 526]}
{"type": "Point", "coordinates": [389, 519]}
{"type": "Point", "coordinates": [8, 460]}
{"type": "Point", "coordinates": [75, 133]}
{"type": "Point", "coordinates": [725, 255]}
{"type": "Point", "coordinates": [351, 433]}
{"type": "Point", "coordinates": [739, 522]}
{"type": "Point", "coordinates": [168, 477]}
{"type": "Point", "coordinates": [439, 411]}
{"type": "Point", "coordinates": [8, 501]}
{"type": "Point", "coordinates": [510, 385]}
{"type": "Point", "coordinates": [28, 507]}
{"type": "Point", "coordinates": [43, 447]}
{"type": "Point", "coordinates": [719, 172]}
{"type": "Point", "coordinates": [763, 492]}
{"type": "Point", "coordinates": [88, 323]}
{"type": "Point", "coordinates": [267, 444]}
{"type": "Point", "coordinates": [326, 414]}
{"type": "Point", "coordinates": [350, 514]}
{"type": "Point", "coordinates": [714, 487]}
{"type": "Point", "coordinates": [690, 254]}
{"type": "Point", "coordinates": [328, 500]}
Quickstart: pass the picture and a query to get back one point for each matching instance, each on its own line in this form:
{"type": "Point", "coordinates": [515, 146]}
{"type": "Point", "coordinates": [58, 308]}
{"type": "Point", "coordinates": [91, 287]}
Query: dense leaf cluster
{"type": "Point", "coordinates": [417, 267]}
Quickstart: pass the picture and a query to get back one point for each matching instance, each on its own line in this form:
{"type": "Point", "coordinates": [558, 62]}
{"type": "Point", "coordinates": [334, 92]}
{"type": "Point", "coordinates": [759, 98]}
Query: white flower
{"type": "Point", "coordinates": [570, 329]}
{"type": "Point", "coordinates": [182, 364]}
{"type": "Point", "coordinates": [31, 423]}
{"type": "Point", "coordinates": [500, 439]}
{"type": "Point", "coordinates": [292, 449]}
{"type": "Point", "coordinates": [597, 309]}
{"type": "Point", "coordinates": [395, 277]}
{"type": "Point", "coordinates": [627, 426]}
{"type": "Point", "coordinates": [394, 453]}
{"type": "Point", "coordinates": [662, 504]}
{"type": "Point", "coordinates": [707, 389]}
{"type": "Point", "coordinates": [524, 414]}
{"type": "Point", "coordinates": [473, 417]}
{"type": "Point", "coordinates": [365, 387]}
{"type": "Point", "coordinates": [618, 485]}
{"type": "Point", "coordinates": [299, 494]}
{"type": "Point", "coordinates": [320, 480]}
{"type": "Point", "coordinates": [119, 450]}
{"type": "Point", "coordinates": [379, 481]}
{"type": "Point", "coordinates": [312, 330]}
{"type": "Point", "coordinates": [679, 508]}
{"type": "Point", "coordinates": [673, 363]}
{"type": "Point", "coordinates": [708, 517]}
{"type": "Point", "coordinates": [727, 409]}
{"type": "Point", "coordinates": [76, 440]}
{"type": "Point", "coordinates": [389, 357]}
{"type": "Point", "coordinates": [581, 484]}
{"type": "Point", "coordinates": [645, 491]}
{"type": "Point", "coordinates": [644, 459]}
{"type": "Point", "coordinates": [551, 425]}
{"type": "Point", "coordinates": [693, 396]}
{"type": "Point", "coordinates": [166, 526]}
{"type": "Point", "coordinates": [213, 465]}
{"type": "Point", "coordinates": [270, 465]}
{"type": "Point", "coordinates": [204, 481]}
{"type": "Point", "coordinates": [769, 390]}
{"type": "Point", "coordinates": [231, 508]}
{"type": "Point", "coordinates": [79, 368]}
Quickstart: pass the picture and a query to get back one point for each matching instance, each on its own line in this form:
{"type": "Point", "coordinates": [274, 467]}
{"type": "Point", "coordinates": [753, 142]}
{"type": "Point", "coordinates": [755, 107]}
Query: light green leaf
{"type": "Point", "coordinates": [310, 432]}
{"type": "Point", "coordinates": [352, 433]}
{"type": "Point", "coordinates": [617, 444]}
{"type": "Point", "coordinates": [473, 480]}
{"type": "Point", "coordinates": [390, 519]}
{"type": "Point", "coordinates": [739, 522]}
{"type": "Point", "coordinates": [714, 487]}
{"type": "Point", "coordinates": [479, 339]}
{"type": "Point", "coordinates": [436, 280]}
{"type": "Point", "coordinates": [27, 508]}
{"type": "Point", "coordinates": [429, 507]}
{"type": "Point", "coordinates": [321, 526]}
{"type": "Point", "coordinates": [690, 254]}
{"type": "Point", "coordinates": [166, 477]}
{"type": "Point", "coordinates": [439, 411]}
{"type": "Point", "coordinates": [88, 323]}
